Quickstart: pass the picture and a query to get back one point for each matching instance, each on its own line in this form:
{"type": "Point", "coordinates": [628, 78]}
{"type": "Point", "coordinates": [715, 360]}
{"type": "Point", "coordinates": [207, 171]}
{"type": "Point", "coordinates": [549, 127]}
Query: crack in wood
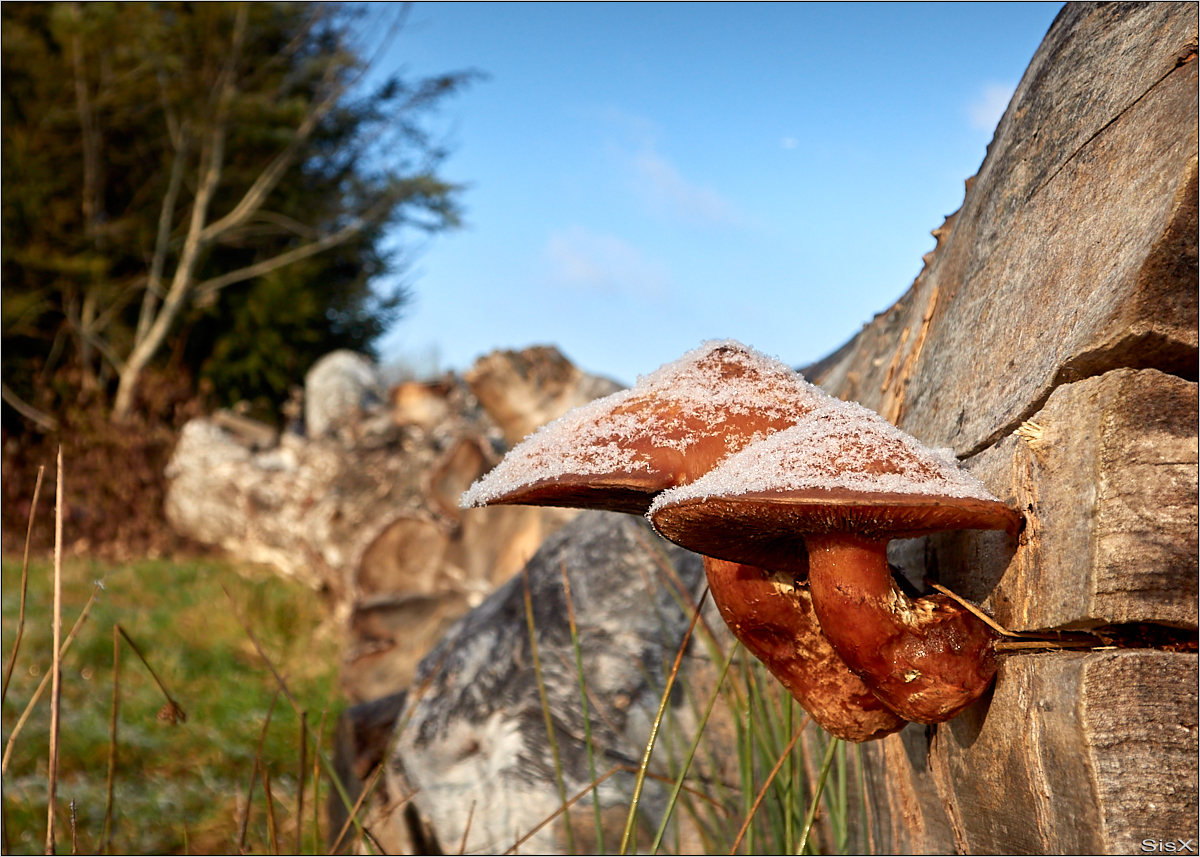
{"type": "Point", "coordinates": [1186, 56]}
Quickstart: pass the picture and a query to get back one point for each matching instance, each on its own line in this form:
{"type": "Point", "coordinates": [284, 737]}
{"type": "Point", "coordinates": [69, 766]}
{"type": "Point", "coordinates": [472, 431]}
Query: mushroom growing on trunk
{"type": "Point", "coordinates": [836, 487]}
{"type": "Point", "coordinates": [772, 614]}
{"type": "Point", "coordinates": [619, 452]}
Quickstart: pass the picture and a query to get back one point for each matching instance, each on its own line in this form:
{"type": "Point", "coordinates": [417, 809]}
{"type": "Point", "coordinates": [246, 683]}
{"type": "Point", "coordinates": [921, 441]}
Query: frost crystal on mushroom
{"type": "Point", "coordinates": [674, 425]}
{"type": "Point", "coordinates": [841, 446]}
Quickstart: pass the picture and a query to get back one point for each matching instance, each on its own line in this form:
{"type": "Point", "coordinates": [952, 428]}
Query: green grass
{"type": "Point", "coordinates": [783, 791]}
{"type": "Point", "coordinates": [181, 788]}
{"type": "Point", "coordinates": [175, 784]}
{"type": "Point", "coordinates": [759, 777]}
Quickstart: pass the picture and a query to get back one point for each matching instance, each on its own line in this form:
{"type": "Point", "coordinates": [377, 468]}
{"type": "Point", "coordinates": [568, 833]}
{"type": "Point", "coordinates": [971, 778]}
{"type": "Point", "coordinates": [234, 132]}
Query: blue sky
{"type": "Point", "coordinates": [642, 177]}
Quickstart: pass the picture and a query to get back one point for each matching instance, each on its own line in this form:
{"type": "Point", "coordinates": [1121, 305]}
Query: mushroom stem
{"type": "Point", "coordinates": [772, 615]}
{"type": "Point", "coordinates": [926, 660]}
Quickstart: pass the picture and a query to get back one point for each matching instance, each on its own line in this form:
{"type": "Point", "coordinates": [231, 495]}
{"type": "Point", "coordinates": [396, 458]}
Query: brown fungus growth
{"type": "Point", "coordinates": [619, 452]}
{"type": "Point", "coordinates": [837, 487]}
{"type": "Point", "coordinates": [772, 614]}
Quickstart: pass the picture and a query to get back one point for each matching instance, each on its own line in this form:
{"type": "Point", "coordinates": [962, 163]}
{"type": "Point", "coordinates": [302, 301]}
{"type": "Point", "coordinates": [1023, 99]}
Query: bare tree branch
{"type": "Point", "coordinates": [269, 178]}
{"type": "Point", "coordinates": [27, 410]}
{"type": "Point", "coordinates": [210, 287]}
{"type": "Point", "coordinates": [212, 160]}
{"type": "Point", "coordinates": [162, 241]}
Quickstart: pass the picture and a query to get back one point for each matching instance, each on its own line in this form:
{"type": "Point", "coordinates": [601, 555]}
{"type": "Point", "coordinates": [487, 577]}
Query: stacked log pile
{"type": "Point", "coordinates": [365, 505]}
{"type": "Point", "coordinates": [1051, 341]}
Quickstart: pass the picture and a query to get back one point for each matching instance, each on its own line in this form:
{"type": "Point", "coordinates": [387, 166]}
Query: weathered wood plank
{"type": "Point", "coordinates": [1106, 474]}
{"type": "Point", "coordinates": [905, 812]}
{"type": "Point", "coordinates": [1074, 251]}
{"type": "Point", "coordinates": [1050, 764]}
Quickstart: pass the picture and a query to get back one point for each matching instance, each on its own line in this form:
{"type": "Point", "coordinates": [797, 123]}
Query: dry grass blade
{"type": "Point", "coordinates": [566, 805]}
{"type": "Point", "coordinates": [283, 688]}
{"type": "Point", "coordinates": [866, 804]}
{"type": "Point", "coordinates": [12, 657]}
{"type": "Point", "coordinates": [585, 710]}
{"type": "Point", "coordinates": [352, 818]}
{"type": "Point", "coordinates": [762, 792]}
{"type": "Point", "coordinates": [541, 685]}
{"type": "Point", "coordinates": [106, 832]}
{"type": "Point", "coordinates": [172, 712]}
{"type": "Point", "coordinates": [321, 758]}
{"type": "Point", "coordinates": [300, 780]}
{"type": "Point", "coordinates": [272, 828]}
{"type": "Point", "coordinates": [258, 648]}
{"type": "Point", "coordinates": [354, 810]}
{"type": "Point", "coordinates": [56, 673]}
{"type": "Point", "coordinates": [1024, 639]}
{"type": "Point", "coordinates": [462, 846]}
{"type": "Point", "coordinates": [640, 781]}
{"type": "Point", "coordinates": [1021, 645]}
{"type": "Point", "coordinates": [262, 737]}
{"type": "Point", "coordinates": [816, 798]}
{"type": "Point", "coordinates": [979, 614]}
{"type": "Point", "coordinates": [377, 778]}
{"type": "Point", "coordinates": [678, 786]}
{"type": "Point", "coordinates": [316, 787]}
{"type": "Point", "coordinates": [41, 688]}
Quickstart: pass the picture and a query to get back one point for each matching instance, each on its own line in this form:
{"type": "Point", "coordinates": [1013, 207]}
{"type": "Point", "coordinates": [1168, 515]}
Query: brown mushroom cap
{"type": "Point", "coordinates": [674, 426]}
{"type": "Point", "coordinates": [838, 486]}
{"type": "Point", "coordinates": [841, 468]}
{"type": "Point", "coordinates": [618, 452]}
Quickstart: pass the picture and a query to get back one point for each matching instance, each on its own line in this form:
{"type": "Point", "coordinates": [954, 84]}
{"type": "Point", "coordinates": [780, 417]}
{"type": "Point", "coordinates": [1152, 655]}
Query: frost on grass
{"type": "Point", "coordinates": [840, 447]}
{"type": "Point", "coordinates": [722, 394]}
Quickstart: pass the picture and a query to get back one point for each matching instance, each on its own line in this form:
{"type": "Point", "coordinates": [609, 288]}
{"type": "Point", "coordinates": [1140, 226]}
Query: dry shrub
{"type": "Point", "coordinates": [114, 486]}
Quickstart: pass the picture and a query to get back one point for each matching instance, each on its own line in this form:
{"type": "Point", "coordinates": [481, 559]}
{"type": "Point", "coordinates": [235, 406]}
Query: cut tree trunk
{"type": "Point", "coordinates": [1051, 342]}
{"type": "Point", "coordinates": [366, 508]}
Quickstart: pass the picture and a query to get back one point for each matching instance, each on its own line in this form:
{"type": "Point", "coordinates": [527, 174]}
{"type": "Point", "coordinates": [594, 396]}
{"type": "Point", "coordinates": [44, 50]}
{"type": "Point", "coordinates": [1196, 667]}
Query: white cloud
{"type": "Point", "coordinates": [787, 143]}
{"type": "Point", "coordinates": [985, 111]}
{"type": "Point", "coordinates": [658, 181]}
{"type": "Point", "coordinates": [604, 263]}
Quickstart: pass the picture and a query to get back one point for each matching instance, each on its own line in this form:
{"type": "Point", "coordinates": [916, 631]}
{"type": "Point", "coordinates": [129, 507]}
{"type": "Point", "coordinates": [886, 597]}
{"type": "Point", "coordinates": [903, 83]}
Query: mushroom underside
{"type": "Point", "coordinates": [925, 659]}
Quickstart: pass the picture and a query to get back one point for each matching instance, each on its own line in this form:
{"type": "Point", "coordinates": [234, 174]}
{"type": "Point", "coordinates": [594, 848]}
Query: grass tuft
{"type": "Point", "coordinates": [162, 774]}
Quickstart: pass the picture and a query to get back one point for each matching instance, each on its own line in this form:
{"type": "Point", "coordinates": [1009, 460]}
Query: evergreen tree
{"type": "Point", "coordinates": [206, 181]}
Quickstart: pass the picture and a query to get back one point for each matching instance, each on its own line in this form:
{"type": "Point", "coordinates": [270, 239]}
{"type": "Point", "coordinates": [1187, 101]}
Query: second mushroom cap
{"type": "Point", "coordinates": [838, 486]}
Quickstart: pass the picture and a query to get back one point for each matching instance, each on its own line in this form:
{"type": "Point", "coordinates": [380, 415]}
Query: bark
{"type": "Point", "coordinates": [1051, 341]}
